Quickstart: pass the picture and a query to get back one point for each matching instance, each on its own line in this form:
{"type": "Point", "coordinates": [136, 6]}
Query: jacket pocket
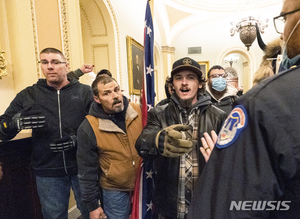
{"type": "Point", "coordinates": [121, 174]}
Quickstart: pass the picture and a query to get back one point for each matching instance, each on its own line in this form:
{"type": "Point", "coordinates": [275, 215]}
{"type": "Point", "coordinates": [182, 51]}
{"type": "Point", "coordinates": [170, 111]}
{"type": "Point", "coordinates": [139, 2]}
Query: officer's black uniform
{"type": "Point", "coordinates": [256, 162]}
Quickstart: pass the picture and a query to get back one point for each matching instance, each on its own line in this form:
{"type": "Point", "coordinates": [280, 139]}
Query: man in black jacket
{"type": "Point", "coordinates": [172, 139]}
{"type": "Point", "coordinates": [254, 170]}
{"type": "Point", "coordinates": [53, 108]}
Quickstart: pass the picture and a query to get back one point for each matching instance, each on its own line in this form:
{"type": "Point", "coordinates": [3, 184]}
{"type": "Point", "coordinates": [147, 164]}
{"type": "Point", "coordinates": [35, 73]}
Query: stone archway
{"type": "Point", "coordinates": [247, 69]}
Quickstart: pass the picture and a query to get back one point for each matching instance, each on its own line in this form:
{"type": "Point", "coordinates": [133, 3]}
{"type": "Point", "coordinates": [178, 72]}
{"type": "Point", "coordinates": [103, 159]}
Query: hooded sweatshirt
{"type": "Point", "coordinates": [64, 110]}
{"type": "Point", "coordinates": [225, 102]}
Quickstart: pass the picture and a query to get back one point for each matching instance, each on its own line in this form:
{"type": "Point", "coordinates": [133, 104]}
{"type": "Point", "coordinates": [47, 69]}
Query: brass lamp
{"type": "Point", "coordinates": [246, 28]}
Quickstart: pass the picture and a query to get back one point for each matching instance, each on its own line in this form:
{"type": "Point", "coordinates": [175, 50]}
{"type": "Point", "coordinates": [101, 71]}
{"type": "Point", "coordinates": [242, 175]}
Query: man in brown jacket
{"type": "Point", "coordinates": [107, 159]}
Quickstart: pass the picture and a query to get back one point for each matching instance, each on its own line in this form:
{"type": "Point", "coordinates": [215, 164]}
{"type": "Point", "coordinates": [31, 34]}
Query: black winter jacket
{"type": "Point", "coordinates": [166, 168]}
{"type": "Point", "coordinates": [64, 110]}
{"type": "Point", "coordinates": [259, 169]}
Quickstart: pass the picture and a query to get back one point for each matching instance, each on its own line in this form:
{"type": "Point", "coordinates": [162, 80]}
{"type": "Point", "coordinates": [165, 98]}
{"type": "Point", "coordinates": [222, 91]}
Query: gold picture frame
{"type": "Point", "coordinates": [204, 66]}
{"type": "Point", "coordinates": [135, 62]}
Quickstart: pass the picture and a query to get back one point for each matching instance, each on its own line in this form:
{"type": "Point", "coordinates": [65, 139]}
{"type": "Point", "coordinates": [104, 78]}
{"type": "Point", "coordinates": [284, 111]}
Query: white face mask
{"type": "Point", "coordinates": [286, 61]}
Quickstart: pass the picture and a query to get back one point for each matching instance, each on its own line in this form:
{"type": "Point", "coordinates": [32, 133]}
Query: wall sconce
{"type": "Point", "coordinates": [231, 60]}
{"type": "Point", "coordinates": [3, 64]}
{"type": "Point", "coordinates": [247, 29]}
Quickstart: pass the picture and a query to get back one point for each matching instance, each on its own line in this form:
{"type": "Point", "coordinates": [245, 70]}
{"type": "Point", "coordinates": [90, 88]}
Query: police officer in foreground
{"type": "Point", "coordinates": [254, 169]}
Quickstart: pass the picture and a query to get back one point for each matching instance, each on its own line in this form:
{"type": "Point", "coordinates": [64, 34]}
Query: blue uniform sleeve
{"type": "Point", "coordinates": [244, 175]}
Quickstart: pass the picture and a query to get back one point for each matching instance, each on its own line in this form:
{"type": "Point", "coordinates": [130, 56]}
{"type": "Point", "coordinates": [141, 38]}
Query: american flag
{"type": "Point", "coordinates": [148, 94]}
{"type": "Point", "coordinates": [142, 201]}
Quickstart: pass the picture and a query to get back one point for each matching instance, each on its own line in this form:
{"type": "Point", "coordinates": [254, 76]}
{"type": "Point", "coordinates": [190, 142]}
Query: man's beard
{"type": "Point", "coordinates": [186, 103]}
{"type": "Point", "coordinates": [118, 108]}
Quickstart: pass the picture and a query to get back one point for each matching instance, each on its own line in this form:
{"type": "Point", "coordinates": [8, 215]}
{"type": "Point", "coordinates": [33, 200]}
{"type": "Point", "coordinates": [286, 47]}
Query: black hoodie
{"type": "Point", "coordinates": [64, 110]}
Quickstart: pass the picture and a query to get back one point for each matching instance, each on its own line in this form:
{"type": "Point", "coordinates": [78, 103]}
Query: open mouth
{"type": "Point", "coordinates": [184, 90]}
{"type": "Point", "coordinates": [117, 102]}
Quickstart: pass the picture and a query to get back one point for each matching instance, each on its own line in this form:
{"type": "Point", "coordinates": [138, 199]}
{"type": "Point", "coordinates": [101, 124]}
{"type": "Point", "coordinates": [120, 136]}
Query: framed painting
{"type": "Point", "coordinates": [135, 62]}
{"type": "Point", "coordinates": [204, 66]}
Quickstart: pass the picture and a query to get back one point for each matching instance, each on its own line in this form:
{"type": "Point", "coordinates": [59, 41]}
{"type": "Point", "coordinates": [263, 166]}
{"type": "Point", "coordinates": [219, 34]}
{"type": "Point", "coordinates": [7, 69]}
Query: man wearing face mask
{"type": "Point", "coordinates": [222, 94]}
{"type": "Point", "coordinates": [254, 169]}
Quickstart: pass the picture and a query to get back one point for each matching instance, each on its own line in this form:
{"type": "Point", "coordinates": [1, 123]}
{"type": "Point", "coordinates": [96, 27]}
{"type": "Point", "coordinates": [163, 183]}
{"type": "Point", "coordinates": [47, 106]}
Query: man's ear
{"type": "Point", "coordinates": [97, 99]}
{"type": "Point", "coordinates": [67, 66]}
{"type": "Point", "coordinates": [200, 86]}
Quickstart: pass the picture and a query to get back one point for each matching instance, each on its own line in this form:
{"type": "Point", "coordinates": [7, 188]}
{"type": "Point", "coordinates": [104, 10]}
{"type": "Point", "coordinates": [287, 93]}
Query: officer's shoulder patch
{"type": "Point", "coordinates": [232, 127]}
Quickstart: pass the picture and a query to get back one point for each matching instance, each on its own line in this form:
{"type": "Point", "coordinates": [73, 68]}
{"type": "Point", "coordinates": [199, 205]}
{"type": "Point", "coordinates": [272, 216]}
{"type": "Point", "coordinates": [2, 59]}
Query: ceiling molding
{"type": "Point", "coordinates": [193, 6]}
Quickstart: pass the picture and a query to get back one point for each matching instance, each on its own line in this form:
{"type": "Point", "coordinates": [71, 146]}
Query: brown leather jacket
{"type": "Point", "coordinates": [118, 157]}
{"type": "Point", "coordinates": [106, 155]}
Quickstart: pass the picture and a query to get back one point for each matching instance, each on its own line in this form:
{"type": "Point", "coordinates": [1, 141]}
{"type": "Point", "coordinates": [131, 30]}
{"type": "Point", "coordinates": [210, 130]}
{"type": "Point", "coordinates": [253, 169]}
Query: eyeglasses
{"type": "Point", "coordinates": [279, 21]}
{"type": "Point", "coordinates": [219, 75]}
{"type": "Point", "coordinates": [53, 62]}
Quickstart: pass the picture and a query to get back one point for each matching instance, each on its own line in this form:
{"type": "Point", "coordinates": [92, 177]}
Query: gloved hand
{"type": "Point", "coordinates": [63, 144]}
{"type": "Point", "coordinates": [172, 141]}
{"type": "Point", "coordinates": [26, 119]}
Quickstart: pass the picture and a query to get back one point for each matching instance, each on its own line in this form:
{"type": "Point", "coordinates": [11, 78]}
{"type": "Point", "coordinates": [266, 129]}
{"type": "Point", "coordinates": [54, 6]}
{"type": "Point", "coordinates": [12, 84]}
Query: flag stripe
{"type": "Point", "coordinates": [142, 200]}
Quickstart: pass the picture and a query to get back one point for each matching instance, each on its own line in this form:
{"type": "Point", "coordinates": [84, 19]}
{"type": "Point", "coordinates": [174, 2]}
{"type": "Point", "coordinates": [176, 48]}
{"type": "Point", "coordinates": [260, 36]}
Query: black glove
{"type": "Point", "coordinates": [64, 143]}
{"type": "Point", "coordinates": [172, 141]}
{"type": "Point", "coordinates": [26, 119]}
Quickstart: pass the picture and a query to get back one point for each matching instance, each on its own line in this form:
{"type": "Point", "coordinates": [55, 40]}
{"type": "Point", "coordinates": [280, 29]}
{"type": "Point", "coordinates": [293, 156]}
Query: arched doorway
{"type": "Point", "coordinates": [100, 37]}
{"type": "Point", "coordinates": [243, 68]}
{"type": "Point", "coordinates": [232, 77]}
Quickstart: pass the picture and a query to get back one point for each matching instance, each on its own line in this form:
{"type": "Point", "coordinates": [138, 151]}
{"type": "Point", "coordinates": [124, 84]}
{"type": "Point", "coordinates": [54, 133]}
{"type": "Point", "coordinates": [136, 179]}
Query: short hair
{"type": "Point", "coordinates": [101, 79]}
{"type": "Point", "coordinates": [213, 68]}
{"type": "Point", "coordinates": [53, 50]}
{"type": "Point", "coordinates": [104, 71]}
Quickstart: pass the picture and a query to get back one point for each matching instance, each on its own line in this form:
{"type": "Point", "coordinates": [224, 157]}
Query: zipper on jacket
{"type": "Point", "coordinates": [60, 128]}
{"type": "Point", "coordinates": [59, 113]}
